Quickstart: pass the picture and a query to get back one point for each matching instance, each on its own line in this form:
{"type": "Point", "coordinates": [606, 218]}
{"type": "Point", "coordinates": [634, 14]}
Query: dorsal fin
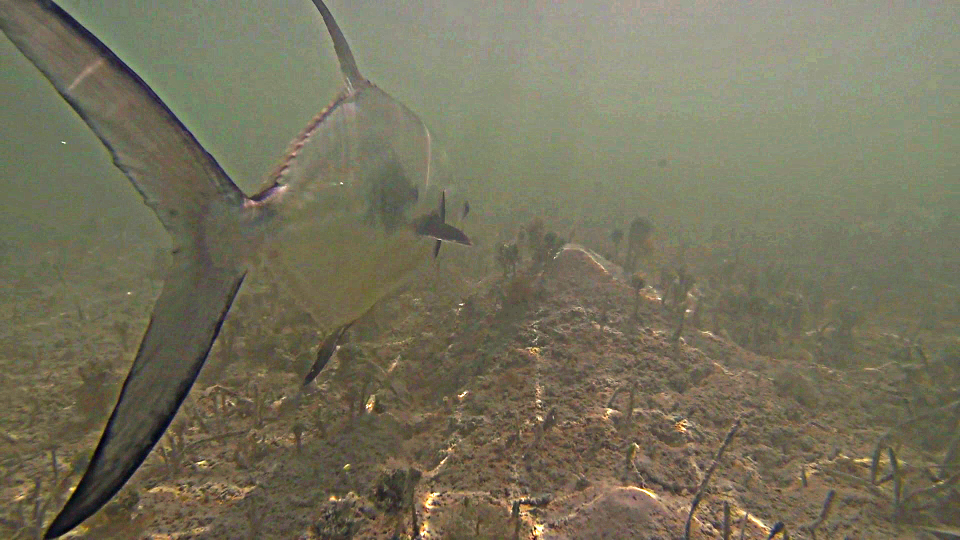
{"type": "Point", "coordinates": [348, 66]}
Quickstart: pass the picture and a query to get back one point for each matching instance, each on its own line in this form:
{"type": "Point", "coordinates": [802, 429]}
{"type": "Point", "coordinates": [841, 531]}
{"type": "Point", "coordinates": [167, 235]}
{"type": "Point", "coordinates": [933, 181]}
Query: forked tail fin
{"type": "Point", "coordinates": [187, 189]}
{"type": "Point", "coordinates": [185, 321]}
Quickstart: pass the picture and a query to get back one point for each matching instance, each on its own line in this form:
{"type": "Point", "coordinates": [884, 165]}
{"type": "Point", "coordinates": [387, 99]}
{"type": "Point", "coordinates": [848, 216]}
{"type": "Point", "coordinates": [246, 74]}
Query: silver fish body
{"type": "Point", "coordinates": [354, 183]}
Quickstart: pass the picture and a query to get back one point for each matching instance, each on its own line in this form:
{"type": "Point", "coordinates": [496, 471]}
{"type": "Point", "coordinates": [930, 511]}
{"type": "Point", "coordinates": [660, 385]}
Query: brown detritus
{"type": "Point", "coordinates": [121, 507]}
{"type": "Point", "coordinates": [626, 420]}
{"type": "Point", "coordinates": [537, 433]}
{"type": "Point", "coordinates": [395, 493]}
{"type": "Point", "coordinates": [706, 478]}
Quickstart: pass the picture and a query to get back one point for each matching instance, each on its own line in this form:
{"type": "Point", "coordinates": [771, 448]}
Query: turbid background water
{"type": "Point", "coordinates": [759, 109]}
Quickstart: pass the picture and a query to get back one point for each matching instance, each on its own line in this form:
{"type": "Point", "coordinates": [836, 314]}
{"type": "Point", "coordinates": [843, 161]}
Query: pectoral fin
{"type": "Point", "coordinates": [185, 321]}
{"type": "Point", "coordinates": [432, 226]}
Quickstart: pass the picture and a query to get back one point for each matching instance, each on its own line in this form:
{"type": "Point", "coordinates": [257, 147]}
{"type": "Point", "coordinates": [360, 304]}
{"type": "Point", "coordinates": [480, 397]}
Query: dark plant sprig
{"type": "Point", "coordinates": [824, 513]}
{"type": "Point", "coordinates": [726, 520]}
{"type": "Point", "coordinates": [897, 481]}
{"type": "Point", "coordinates": [706, 478]}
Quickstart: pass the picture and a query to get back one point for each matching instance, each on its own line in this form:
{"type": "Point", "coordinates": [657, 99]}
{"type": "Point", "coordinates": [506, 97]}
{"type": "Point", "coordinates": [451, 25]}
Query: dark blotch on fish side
{"type": "Point", "coordinates": [391, 195]}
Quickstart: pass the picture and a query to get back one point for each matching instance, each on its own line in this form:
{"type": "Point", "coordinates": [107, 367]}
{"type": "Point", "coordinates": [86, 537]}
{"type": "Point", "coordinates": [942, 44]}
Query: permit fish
{"type": "Point", "coordinates": [350, 212]}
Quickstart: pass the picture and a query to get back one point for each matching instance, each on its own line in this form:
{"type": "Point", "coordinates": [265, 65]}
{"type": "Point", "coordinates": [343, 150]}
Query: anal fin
{"type": "Point", "coordinates": [325, 353]}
